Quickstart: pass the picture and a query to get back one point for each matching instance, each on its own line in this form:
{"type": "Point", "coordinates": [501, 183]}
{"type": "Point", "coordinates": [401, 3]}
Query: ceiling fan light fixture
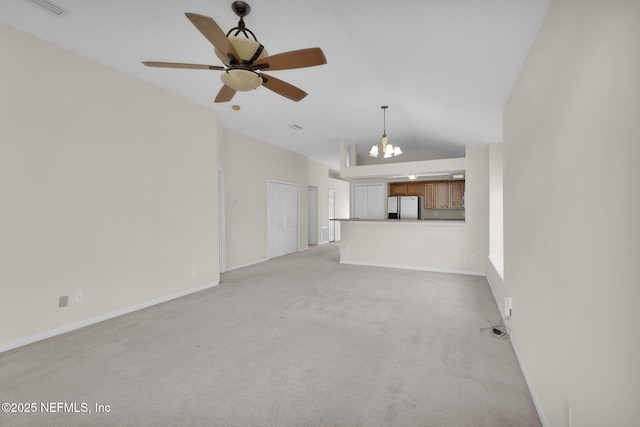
{"type": "Point", "coordinates": [241, 80]}
{"type": "Point", "coordinates": [245, 58]}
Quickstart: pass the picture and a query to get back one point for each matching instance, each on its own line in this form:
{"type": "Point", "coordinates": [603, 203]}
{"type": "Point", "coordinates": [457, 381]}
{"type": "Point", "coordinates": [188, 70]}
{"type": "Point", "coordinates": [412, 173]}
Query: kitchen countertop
{"type": "Point", "coordinates": [403, 221]}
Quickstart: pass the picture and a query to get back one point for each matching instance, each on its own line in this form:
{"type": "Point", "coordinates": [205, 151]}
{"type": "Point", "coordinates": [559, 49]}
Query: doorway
{"type": "Point", "coordinates": [313, 215]}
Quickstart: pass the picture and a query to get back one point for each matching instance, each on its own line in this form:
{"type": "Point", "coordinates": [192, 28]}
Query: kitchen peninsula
{"type": "Point", "coordinates": [412, 244]}
{"type": "Point", "coordinates": [456, 240]}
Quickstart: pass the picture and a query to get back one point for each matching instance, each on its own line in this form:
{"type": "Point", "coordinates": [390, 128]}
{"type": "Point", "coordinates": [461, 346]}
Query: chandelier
{"type": "Point", "coordinates": [387, 149]}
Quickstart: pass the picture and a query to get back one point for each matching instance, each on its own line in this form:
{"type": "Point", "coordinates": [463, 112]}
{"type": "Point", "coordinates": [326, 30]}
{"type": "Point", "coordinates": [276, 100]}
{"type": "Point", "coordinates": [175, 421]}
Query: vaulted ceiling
{"type": "Point", "coordinates": [445, 68]}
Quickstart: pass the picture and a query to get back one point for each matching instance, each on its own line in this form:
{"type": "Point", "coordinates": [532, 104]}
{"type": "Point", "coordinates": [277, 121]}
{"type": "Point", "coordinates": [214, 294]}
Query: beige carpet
{"type": "Point", "coordinates": [296, 341]}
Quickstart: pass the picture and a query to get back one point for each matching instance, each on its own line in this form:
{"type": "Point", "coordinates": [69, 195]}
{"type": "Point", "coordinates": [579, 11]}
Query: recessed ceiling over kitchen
{"type": "Point", "coordinates": [445, 68]}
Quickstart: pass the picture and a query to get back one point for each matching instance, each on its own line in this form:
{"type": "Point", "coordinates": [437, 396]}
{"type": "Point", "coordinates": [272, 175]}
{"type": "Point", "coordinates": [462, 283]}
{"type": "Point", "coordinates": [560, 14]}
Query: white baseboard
{"type": "Point", "coordinates": [92, 320]}
{"type": "Point", "coordinates": [410, 267]}
{"type": "Point", "coordinates": [249, 264]}
{"type": "Point", "coordinates": [497, 266]}
{"type": "Point", "coordinates": [532, 391]}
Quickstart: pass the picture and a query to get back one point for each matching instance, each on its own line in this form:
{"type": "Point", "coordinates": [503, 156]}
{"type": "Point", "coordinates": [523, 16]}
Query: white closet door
{"type": "Point", "coordinates": [368, 201]}
{"type": "Point", "coordinates": [375, 202]}
{"type": "Point", "coordinates": [360, 201]}
{"type": "Point", "coordinates": [283, 219]}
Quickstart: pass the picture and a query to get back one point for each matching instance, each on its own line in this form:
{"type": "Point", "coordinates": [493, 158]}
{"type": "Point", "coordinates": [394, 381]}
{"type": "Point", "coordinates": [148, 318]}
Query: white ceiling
{"type": "Point", "coordinates": [445, 68]}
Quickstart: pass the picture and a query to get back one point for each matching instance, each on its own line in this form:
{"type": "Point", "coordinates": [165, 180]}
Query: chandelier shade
{"type": "Point", "coordinates": [383, 146]}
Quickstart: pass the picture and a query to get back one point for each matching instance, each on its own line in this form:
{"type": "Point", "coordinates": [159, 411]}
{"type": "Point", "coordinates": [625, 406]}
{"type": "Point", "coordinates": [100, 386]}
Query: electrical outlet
{"type": "Point", "coordinates": [508, 306]}
{"type": "Point", "coordinates": [63, 301]}
{"type": "Point", "coordinates": [473, 257]}
{"type": "Point", "coordinates": [194, 271]}
{"type": "Point", "coordinates": [78, 297]}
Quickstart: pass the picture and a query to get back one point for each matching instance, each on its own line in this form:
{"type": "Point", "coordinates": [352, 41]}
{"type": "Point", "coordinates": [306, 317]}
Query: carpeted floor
{"type": "Point", "coordinates": [299, 340]}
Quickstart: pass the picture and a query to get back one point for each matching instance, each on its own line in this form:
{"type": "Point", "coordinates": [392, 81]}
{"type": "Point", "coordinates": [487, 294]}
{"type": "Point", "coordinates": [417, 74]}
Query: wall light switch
{"type": "Point", "coordinates": [78, 297]}
{"type": "Point", "coordinates": [194, 271]}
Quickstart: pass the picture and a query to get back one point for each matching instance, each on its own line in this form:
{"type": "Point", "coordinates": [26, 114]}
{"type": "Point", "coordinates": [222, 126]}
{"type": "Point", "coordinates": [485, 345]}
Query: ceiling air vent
{"type": "Point", "coordinates": [49, 7]}
{"type": "Point", "coordinates": [295, 127]}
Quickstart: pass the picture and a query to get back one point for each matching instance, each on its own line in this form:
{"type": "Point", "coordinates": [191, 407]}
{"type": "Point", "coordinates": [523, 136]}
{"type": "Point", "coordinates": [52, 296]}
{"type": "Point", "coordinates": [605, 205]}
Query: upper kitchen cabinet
{"type": "Point", "coordinates": [429, 195]}
{"type": "Point", "coordinates": [406, 189]}
{"type": "Point", "coordinates": [398, 189]}
{"type": "Point", "coordinates": [443, 195]}
{"type": "Point", "coordinates": [435, 194]}
{"type": "Point", "coordinates": [456, 194]}
{"type": "Point", "coordinates": [414, 188]}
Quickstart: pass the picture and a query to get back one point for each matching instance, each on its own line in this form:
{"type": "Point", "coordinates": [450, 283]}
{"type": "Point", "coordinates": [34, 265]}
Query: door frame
{"type": "Point", "coordinates": [313, 214]}
{"type": "Point", "coordinates": [331, 194]}
{"type": "Point", "coordinates": [221, 223]}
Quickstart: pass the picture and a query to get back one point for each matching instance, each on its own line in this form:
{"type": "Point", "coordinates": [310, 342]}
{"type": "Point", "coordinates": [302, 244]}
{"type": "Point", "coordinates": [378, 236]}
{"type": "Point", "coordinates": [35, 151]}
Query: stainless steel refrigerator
{"type": "Point", "coordinates": [403, 207]}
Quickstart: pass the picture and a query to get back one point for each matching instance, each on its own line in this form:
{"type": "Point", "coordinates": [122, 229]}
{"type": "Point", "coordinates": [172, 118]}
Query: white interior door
{"type": "Point", "coordinates": [331, 204]}
{"type": "Point", "coordinates": [282, 221]}
{"type": "Point", "coordinates": [313, 215]}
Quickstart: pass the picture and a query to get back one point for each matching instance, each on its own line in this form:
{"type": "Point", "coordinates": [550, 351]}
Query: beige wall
{"type": "Point", "coordinates": [248, 165]}
{"type": "Point", "coordinates": [107, 187]}
{"type": "Point", "coordinates": [571, 210]}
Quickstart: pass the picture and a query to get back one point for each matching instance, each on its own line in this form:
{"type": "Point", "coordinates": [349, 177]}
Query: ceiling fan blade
{"type": "Point", "coordinates": [282, 88]}
{"type": "Point", "coordinates": [225, 94]}
{"type": "Point", "coordinates": [214, 34]}
{"type": "Point", "coordinates": [181, 65]}
{"type": "Point", "coordinates": [294, 59]}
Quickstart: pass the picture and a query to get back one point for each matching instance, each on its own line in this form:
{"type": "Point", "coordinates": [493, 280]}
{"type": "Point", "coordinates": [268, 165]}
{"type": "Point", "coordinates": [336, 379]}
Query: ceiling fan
{"type": "Point", "coordinates": [245, 58]}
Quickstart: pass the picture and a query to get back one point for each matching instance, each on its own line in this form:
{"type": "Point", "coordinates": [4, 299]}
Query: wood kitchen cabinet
{"type": "Point", "coordinates": [435, 194]}
{"type": "Point", "coordinates": [398, 189]}
{"type": "Point", "coordinates": [442, 195]}
{"type": "Point", "coordinates": [406, 189]}
{"type": "Point", "coordinates": [456, 194]}
{"type": "Point", "coordinates": [429, 196]}
{"type": "Point", "coordinates": [414, 188]}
